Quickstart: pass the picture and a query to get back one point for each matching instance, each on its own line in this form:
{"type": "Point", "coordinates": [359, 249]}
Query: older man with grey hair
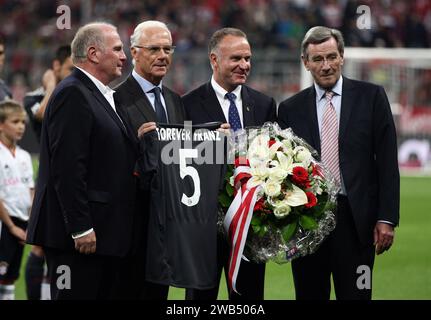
{"type": "Point", "coordinates": [82, 213]}
{"type": "Point", "coordinates": [350, 124]}
{"type": "Point", "coordinates": [143, 96]}
{"type": "Point", "coordinates": [146, 101]}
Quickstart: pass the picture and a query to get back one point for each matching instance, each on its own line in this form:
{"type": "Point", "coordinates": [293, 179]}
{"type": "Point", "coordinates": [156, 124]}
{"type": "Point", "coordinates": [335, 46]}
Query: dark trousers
{"type": "Point", "coordinates": [340, 255]}
{"type": "Point", "coordinates": [76, 276]}
{"type": "Point", "coordinates": [132, 282]}
{"type": "Point", "coordinates": [250, 281]}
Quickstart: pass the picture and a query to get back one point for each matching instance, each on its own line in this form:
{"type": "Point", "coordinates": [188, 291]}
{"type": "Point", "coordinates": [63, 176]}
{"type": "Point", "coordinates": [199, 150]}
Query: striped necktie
{"type": "Point", "coordinates": [329, 138]}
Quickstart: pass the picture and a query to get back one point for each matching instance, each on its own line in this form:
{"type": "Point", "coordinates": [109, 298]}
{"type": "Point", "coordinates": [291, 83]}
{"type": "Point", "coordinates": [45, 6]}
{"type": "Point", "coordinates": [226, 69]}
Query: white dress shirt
{"type": "Point", "coordinates": [147, 86]}
{"type": "Point", "coordinates": [225, 103]}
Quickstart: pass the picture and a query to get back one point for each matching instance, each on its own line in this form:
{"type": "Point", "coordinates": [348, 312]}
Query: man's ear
{"type": "Point", "coordinates": [134, 52]}
{"type": "Point", "coordinates": [213, 60]}
{"type": "Point", "coordinates": [92, 55]}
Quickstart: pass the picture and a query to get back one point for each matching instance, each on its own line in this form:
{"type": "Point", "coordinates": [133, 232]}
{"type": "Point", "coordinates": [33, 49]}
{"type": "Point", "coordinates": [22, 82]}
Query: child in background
{"type": "Point", "coordinates": [16, 194]}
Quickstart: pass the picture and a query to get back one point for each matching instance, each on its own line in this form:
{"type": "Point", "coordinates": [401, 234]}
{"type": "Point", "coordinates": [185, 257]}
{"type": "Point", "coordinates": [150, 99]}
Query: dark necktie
{"type": "Point", "coordinates": [234, 120]}
{"type": "Point", "coordinates": [160, 110]}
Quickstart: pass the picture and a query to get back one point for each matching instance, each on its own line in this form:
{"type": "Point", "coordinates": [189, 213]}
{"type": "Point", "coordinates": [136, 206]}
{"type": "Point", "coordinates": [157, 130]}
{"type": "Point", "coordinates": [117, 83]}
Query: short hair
{"type": "Point", "coordinates": [140, 28]}
{"type": "Point", "coordinates": [63, 53]}
{"type": "Point", "coordinates": [88, 35]}
{"type": "Point", "coordinates": [8, 107]}
{"type": "Point", "coordinates": [321, 34]}
{"type": "Point", "coordinates": [218, 36]}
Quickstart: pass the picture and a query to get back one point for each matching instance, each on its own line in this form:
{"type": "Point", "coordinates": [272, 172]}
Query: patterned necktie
{"type": "Point", "coordinates": [160, 110]}
{"type": "Point", "coordinates": [234, 120]}
{"type": "Point", "coordinates": [329, 139]}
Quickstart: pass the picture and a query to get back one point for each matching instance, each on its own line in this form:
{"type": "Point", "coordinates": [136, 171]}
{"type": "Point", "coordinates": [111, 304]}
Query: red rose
{"type": "Point", "coordinates": [312, 200]}
{"type": "Point", "coordinates": [271, 142]}
{"type": "Point", "coordinates": [241, 161]}
{"type": "Point", "coordinates": [300, 176]}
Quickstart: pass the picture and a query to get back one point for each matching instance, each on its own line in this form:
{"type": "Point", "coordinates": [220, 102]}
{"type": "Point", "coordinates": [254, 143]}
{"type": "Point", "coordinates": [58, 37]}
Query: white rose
{"type": "Point", "coordinates": [281, 209]}
{"type": "Point", "coordinates": [272, 188]}
{"type": "Point", "coordinates": [302, 155]}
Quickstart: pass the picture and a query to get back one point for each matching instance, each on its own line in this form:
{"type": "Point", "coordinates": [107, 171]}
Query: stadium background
{"type": "Point", "coordinates": [275, 29]}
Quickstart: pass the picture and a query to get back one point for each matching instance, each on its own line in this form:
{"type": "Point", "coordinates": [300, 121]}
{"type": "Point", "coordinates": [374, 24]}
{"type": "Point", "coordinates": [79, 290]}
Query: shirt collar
{"type": "Point", "coordinates": [221, 92]}
{"type": "Point", "coordinates": [337, 89]}
{"type": "Point", "coordinates": [105, 90]}
{"type": "Point", "coordinates": [146, 85]}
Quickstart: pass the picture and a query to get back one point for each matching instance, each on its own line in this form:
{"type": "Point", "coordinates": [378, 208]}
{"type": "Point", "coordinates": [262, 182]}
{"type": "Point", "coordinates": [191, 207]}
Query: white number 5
{"type": "Point", "coordinates": [193, 173]}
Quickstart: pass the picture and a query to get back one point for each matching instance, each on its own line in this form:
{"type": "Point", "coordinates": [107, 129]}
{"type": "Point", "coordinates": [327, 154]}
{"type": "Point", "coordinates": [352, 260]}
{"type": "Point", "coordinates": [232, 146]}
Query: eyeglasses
{"type": "Point", "coordinates": [155, 49]}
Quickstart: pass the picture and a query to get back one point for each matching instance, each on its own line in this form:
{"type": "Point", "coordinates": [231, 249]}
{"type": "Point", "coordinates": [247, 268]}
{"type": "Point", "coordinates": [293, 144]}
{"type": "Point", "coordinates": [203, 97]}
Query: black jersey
{"type": "Point", "coordinates": [185, 167]}
{"type": "Point", "coordinates": [31, 105]}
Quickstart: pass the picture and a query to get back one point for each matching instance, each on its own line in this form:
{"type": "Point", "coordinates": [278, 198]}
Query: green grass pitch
{"type": "Point", "coordinates": [402, 273]}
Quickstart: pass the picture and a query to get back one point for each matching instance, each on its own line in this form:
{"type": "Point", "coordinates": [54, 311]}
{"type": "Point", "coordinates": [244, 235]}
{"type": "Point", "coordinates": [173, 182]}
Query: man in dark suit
{"type": "Point", "coordinates": [142, 94]}
{"type": "Point", "coordinates": [5, 92]}
{"type": "Point", "coordinates": [226, 98]}
{"type": "Point", "coordinates": [82, 214]}
{"type": "Point", "coordinates": [146, 101]}
{"type": "Point", "coordinates": [350, 124]}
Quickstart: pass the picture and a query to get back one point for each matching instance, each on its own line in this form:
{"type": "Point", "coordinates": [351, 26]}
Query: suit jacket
{"type": "Point", "coordinates": [86, 171]}
{"type": "Point", "coordinates": [367, 149]}
{"type": "Point", "coordinates": [201, 105]}
{"type": "Point", "coordinates": [138, 108]}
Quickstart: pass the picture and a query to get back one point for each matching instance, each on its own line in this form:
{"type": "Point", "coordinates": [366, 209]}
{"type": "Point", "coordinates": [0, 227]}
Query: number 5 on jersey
{"type": "Point", "coordinates": [193, 173]}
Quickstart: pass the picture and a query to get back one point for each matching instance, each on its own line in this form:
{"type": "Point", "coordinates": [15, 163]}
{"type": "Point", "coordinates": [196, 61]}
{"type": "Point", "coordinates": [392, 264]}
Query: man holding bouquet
{"type": "Point", "coordinates": [226, 98]}
{"type": "Point", "coordinates": [350, 124]}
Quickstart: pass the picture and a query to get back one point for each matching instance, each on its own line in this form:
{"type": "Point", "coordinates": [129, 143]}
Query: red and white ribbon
{"type": "Point", "coordinates": [237, 220]}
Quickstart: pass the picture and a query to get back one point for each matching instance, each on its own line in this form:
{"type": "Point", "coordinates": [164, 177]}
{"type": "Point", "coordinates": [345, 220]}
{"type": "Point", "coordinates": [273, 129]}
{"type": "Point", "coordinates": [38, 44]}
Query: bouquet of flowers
{"type": "Point", "coordinates": [278, 202]}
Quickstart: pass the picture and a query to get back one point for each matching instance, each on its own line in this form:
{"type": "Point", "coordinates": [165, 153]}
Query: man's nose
{"type": "Point", "coordinates": [325, 64]}
{"type": "Point", "coordinates": [244, 64]}
{"type": "Point", "coordinates": [123, 56]}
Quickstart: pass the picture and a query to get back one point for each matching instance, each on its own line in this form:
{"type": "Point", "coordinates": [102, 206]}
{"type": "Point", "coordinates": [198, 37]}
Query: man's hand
{"type": "Point", "coordinates": [49, 81]}
{"type": "Point", "coordinates": [383, 236]}
{"type": "Point", "coordinates": [86, 244]}
{"type": "Point", "coordinates": [19, 233]}
{"type": "Point", "coordinates": [146, 127]}
{"type": "Point", "coordinates": [224, 128]}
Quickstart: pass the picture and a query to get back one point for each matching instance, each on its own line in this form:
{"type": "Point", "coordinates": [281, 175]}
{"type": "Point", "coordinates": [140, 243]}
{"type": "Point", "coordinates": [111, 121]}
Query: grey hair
{"type": "Point", "coordinates": [140, 28]}
{"type": "Point", "coordinates": [88, 35]}
{"type": "Point", "coordinates": [321, 34]}
{"type": "Point", "coordinates": [218, 36]}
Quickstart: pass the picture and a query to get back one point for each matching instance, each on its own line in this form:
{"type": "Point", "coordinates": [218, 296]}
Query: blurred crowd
{"type": "Point", "coordinates": [31, 32]}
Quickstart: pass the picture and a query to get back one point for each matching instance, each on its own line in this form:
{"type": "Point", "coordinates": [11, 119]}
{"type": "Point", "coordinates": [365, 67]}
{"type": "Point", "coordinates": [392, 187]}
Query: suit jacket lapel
{"type": "Point", "coordinates": [141, 102]}
{"type": "Point", "coordinates": [247, 108]}
{"type": "Point", "coordinates": [99, 96]}
{"type": "Point", "coordinates": [211, 105]}
{"type": "Point", "coordinates": [346, 106]}
{"type": "Point", "coordinates": [311, 116]}
{"type": "Point", "coordinates": [170, 106]}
